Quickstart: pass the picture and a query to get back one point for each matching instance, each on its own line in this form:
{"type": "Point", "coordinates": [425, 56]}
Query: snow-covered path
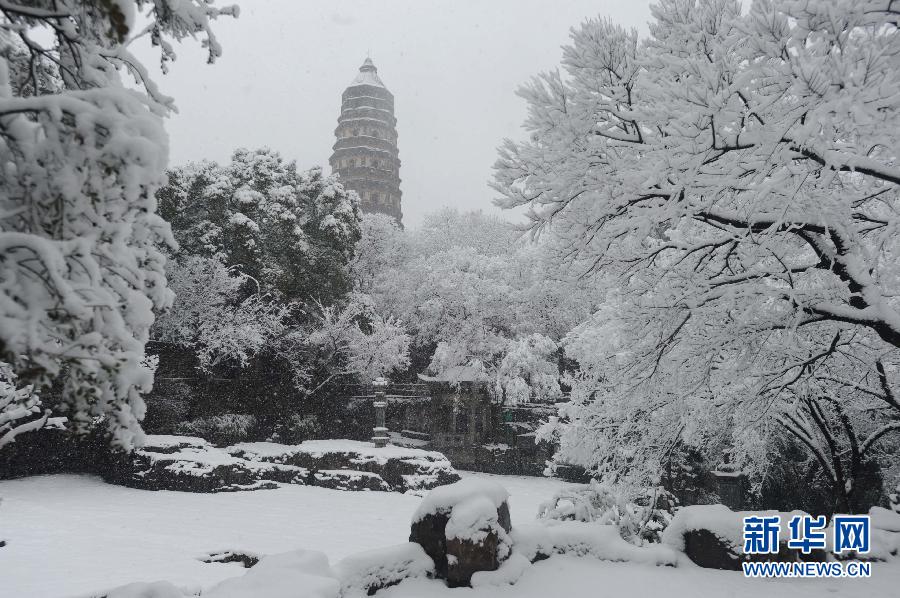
{"type": "Point", "coordinates": [70, 534]}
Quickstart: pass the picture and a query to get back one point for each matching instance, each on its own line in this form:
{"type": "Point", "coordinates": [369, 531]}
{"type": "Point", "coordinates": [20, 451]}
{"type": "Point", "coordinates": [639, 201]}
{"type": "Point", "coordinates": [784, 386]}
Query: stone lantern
{"type": "Point", "coordinates": [730, 483]}
{"type": "Point", "coordinates": [380, 432]}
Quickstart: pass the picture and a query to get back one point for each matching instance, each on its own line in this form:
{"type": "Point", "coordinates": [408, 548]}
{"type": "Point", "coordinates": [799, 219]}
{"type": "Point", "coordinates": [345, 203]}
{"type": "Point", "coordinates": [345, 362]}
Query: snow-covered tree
{"type": "Point", "coordinates": [844, 413]}
{"type": "Point", "coordinates": [383, 247]}
{"type": "Point", "coordinates": [744, 159]}
{"type": "Point", "coordinates": [293, 232]}
{"type": "Point", "coordinates": [447, 228]}
{"type": "Point", "coordinates": [82, 155]}
{"type": "Point", "coordinates": [355, 340]}
{"type": "Point", "coordinates": [467, 288]}
{"type": "Point", "coordinates": [529, 371]}
{"type": "Point", "coordinates": [732, 182]}
{"type": "Point", "coordinates": [214, 315]}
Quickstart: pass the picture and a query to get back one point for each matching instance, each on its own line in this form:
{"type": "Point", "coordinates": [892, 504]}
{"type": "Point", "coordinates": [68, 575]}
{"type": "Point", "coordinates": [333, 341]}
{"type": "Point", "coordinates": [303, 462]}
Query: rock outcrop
{"type": "Point", "coordinates": [191, 464]}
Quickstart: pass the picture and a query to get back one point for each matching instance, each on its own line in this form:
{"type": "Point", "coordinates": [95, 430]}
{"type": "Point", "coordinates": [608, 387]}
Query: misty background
{"type": "Point", "coordinates": [453, 67]}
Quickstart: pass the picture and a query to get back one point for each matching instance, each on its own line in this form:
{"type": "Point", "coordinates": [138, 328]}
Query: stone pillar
{"type": "Point", "coordinates": [380, 432]}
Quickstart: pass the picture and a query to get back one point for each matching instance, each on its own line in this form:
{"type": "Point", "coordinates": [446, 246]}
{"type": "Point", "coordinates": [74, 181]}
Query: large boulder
{"type": "Point", "coordinates": [464, 528]}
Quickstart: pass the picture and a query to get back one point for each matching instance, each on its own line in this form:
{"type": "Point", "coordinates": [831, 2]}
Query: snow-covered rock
{"type": "Point", "coordinates": [305, 574]}
{"type": "Point", "coordinates": [885, 519]}
{"type": "Point", "coordinates": [154, 589]}
{"type": "Point", "coordinates": [349, 479]}
{"type": "Point", "coordinates": [464, 528]}
{"type": "Point", "coordinates": [509, 573]}
{"type": "Point", "coordinates": [297, 574]}
{"type": "Point", "coordinates": [400, 469]}
{"type": "Point", "coordinates": [712, 536]}
{"type": "Point", "coordinates": [542, 540]}
{"type": "Point", "coordinates": [443, 499]}
{"type": "Point", "coordinates": [192, 464]}
{"type": "Point", "coordinates": [367, 572]}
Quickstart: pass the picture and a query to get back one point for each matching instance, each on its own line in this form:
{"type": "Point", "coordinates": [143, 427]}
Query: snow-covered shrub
{"type": "Point", "coordinates": [167, 406]}
{"type": "Point", "coordinates": [638, 520]}
{"type": "Point", "coordinates": [222, 430]}
{"type": "Point", "coordinates": [296, 428]}
{"type": "Point", "coordinates": [20, 406]}
{"type": "Point", "coordinates": [353, 339]}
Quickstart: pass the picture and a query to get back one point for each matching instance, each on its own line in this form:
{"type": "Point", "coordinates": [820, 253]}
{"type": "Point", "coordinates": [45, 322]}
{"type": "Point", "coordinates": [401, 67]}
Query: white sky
{"type": "Point", "coordinates": [452, 65]}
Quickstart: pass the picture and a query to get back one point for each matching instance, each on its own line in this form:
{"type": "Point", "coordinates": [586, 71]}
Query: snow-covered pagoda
{"type": "Point", "coordinates": [365, 153]}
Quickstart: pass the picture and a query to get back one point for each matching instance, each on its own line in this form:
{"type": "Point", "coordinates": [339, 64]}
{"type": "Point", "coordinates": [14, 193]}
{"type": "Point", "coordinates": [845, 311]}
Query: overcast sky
{"type": "Point", "coordinates": [453, 67]}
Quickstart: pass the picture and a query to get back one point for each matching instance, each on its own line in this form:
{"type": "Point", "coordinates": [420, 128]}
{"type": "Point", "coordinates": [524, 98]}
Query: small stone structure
{"type": "Point", "coordinates": [380, 432]}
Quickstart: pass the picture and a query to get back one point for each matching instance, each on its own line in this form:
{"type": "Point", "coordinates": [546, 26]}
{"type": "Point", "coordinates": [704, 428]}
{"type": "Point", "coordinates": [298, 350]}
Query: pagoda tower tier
{"type": "Point", "coordinates": [365, 151]}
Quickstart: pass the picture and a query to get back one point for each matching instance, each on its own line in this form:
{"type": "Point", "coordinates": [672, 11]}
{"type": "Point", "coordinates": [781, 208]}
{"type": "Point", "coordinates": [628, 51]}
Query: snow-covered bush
{"type": "Point", "coordinates": [219, 313]}
{"type": "Point", "coordinates": [168, 408]}
{"type": "Point", "coordinates": [20, 406]}
{"type": "Point", "coordinates": [222, 430]}
{"type": "Point", "coordinates": [82, 155]}
{"type": "Point", "coordinates": [638, 520]}
{"type": "Point", "coordinates": [296, 428]}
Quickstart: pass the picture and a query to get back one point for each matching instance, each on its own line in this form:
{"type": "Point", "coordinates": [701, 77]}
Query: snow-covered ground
{"type": "Point", "coordinates": [70, 535]}
{"type": "Point", "coordinates": [573, 577]}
